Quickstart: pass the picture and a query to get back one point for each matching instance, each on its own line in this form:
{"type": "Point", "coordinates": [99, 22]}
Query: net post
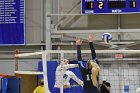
{"type": "Point", "coordinates": [44, 63]}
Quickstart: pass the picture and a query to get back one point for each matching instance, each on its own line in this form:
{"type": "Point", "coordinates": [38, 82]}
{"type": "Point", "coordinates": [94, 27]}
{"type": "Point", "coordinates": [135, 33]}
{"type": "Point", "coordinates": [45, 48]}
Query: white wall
{"type": "Point", "coordinates": [34, 21]}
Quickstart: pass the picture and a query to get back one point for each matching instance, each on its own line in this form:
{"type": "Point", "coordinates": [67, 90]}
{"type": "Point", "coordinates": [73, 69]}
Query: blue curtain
{"type": "Point", "coordinates": [10, 85]}
{"type": "Point", "coordinates": [51, 68]}
{"type": "Point", "coordinates": [4, 85]}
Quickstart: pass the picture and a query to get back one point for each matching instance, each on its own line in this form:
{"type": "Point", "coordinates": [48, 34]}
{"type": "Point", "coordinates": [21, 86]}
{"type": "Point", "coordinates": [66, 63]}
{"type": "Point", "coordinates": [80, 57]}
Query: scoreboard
{"type": "Point", "coordinates": [110, 6]}
{"type": "Point", "coordinates": [12, 22]}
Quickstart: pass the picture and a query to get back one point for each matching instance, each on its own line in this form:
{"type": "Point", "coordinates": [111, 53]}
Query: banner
{"type": "Point", "coordinates": [12, 22]}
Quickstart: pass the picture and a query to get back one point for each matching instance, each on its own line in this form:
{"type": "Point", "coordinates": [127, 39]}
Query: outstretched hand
{"type": "Point", "coordinates": [90, 38]}
{"type": "Point", "coordinates": [78, 41]}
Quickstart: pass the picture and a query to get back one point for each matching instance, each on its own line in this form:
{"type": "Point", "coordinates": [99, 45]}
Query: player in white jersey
{"type": "Point", "coordinates": [63, 75]}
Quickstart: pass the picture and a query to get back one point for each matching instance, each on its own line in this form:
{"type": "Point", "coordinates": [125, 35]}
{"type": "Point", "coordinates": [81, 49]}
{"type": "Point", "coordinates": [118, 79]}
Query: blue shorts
{"type": "Point", "coordinates": [57, 90]}
{"type": "Point", "coordinates": [91, 90]}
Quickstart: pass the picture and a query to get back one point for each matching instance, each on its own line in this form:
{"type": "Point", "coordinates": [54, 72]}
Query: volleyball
{"type": "Point", "coordinates": [107, 37]}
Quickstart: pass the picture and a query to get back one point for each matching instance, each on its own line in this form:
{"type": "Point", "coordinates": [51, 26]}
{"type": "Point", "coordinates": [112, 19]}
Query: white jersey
{"type": "Point", "coordinates": [63, 76]}
{"type": "Point", "coordinates": [138, 90]}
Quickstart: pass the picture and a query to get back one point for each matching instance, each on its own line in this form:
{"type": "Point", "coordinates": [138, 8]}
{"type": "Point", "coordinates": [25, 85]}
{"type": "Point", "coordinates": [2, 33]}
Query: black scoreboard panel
{"type": "Point", "coordinates": [110, 6]}
{"type": "Point", "coordinates": [116, 4]}
{"type": "Point", "coordinates": [89, 5]}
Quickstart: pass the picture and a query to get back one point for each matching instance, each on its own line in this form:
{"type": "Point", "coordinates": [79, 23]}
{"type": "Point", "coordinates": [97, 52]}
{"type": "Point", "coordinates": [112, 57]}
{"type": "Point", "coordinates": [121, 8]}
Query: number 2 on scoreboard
{"type": "Point", "coordinates": [100, 5]}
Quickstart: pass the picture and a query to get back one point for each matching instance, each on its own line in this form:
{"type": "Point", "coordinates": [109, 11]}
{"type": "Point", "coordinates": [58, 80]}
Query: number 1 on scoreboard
{"type": "Point", "coordinates": [132, 4]}
{"type": "Point", "coordinates": [90, 5]}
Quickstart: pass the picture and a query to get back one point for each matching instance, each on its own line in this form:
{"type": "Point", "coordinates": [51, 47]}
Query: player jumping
{"type": "Point", "coordinates": [90, 72]}
{"type": "Point", "coordinates": [62, 70]}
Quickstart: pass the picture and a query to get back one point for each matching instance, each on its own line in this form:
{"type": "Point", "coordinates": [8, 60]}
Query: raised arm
{"type": "Point", "coordinates": [70, 66]}
{"type": "Point", "coordinates": [93, 53]}
{"type": "Point", "coordinates": [78, 43]}
{"type": "Point", "coordinates": [75, 78]}
{"type": "Point", "coordinates": [65, 67]}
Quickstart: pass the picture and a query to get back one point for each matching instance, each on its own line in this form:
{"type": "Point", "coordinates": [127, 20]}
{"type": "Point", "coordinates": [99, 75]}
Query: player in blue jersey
{"type": "Point", "coordinates": [90, 72]}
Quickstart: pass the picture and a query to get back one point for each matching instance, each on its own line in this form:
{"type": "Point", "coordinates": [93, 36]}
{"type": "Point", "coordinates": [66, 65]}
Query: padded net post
{"type": "Point", "coordinates": [44, 60]}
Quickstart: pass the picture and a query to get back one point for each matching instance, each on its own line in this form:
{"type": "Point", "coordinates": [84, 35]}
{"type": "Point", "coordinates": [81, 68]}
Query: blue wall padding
{"type": "Point", "coordinates": [12, 85]}
{"type": "Point", "coordinates": [51, 67]}
{"type": "Point", "coordinates": [4, 85]}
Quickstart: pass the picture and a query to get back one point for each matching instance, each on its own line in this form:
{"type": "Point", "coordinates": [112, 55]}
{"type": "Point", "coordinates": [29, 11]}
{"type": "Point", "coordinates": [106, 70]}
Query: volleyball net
{"type": "Point", "coordinates": [120, 67]}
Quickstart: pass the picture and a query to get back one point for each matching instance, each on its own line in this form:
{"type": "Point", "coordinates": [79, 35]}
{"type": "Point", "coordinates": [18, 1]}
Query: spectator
{"type": "Point", "coordinates": [104, 87]}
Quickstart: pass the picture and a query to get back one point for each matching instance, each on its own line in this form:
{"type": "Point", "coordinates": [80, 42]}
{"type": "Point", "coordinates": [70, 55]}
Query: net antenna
{"type": "Point", "coordinates": [45, 58]}
{"type": "Point", "coordinates": [62, 72]}
{"type": "Point", "coordinates": [16, 59]}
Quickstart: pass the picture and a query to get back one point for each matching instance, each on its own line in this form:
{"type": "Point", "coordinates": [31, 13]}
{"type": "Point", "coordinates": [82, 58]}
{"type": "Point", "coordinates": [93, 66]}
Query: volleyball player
{"type": "Point", "coordinates": [62, 70]}
{"type": "Point", "coordinates": [90, 72]}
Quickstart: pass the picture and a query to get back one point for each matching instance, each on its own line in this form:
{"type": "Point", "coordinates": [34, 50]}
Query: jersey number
{"type": "Point", "coordinates": [88, 77]}
{"type": "Point", "coordinates": [65, 76]}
